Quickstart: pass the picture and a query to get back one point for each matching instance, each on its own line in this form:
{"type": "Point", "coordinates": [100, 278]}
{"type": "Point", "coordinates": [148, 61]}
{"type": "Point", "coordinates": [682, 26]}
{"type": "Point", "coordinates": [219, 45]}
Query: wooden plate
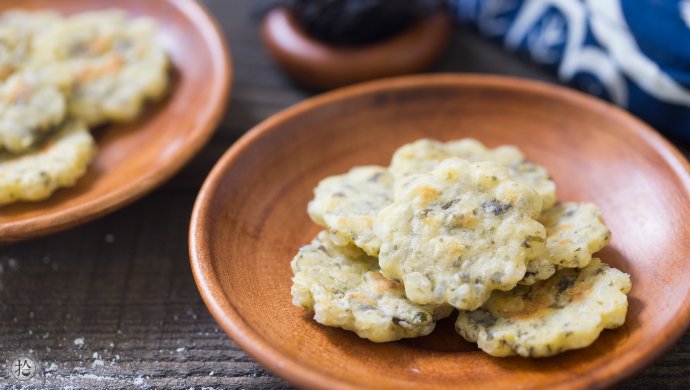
{"type": "Point", "coordinates": [250, 219]}
{"type": "Point", "coordinates": [135, 158]}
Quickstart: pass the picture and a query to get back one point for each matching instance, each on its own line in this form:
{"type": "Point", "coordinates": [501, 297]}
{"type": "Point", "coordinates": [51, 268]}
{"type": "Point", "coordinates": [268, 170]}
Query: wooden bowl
{"type": "Point", "coordinates": [250, 219]}
{"type": "Point", "coordinates": [319, 66]}
{"type": "Point", "coordinates": [136, 157]}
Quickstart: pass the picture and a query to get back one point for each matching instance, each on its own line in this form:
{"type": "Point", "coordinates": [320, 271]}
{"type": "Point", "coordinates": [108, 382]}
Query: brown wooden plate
{"type": "Point", "coordinates": [250, 219]}
{"type": "Point", "coordinates": [136, 157]}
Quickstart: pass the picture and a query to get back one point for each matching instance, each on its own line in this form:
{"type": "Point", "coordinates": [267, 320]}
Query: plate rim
{"type": "Point", "coordinates": [257, 347]}
{"type": "Point", "coordinates": [44, 224]}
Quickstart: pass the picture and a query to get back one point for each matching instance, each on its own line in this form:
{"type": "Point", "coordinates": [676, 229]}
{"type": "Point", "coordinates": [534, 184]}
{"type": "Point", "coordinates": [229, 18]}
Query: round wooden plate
{"type": "Point", "coordinates": [136, 157]}
{"type": "Point", "coordinates": [250, 219]}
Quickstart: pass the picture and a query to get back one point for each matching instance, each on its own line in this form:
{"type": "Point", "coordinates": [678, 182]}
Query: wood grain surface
{"type": "Point", "coordinates": [112, 304]}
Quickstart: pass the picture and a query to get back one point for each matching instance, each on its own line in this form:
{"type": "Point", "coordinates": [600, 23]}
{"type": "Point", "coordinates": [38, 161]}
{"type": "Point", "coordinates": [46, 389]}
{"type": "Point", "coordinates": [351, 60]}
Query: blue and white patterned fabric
{"type": "Point", "coordinates": [635, 53]}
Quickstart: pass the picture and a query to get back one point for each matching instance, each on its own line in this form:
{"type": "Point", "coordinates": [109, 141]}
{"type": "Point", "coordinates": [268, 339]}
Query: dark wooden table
{"type": "Point", "coordinates": [112, 304]}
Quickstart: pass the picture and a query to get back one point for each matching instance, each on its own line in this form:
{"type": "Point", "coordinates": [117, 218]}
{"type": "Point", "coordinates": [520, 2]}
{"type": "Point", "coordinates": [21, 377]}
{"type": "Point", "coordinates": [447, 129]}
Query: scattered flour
{"type": "Point", "coordinates": [97, 363]}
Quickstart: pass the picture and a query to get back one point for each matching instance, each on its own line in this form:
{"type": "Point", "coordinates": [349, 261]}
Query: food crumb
{"type": "Point", "coordinates": [97, 363]}
{"type": "Point", "coordinates": [181, 349]}
{"type": "Point", "coordinates": [79, 341]}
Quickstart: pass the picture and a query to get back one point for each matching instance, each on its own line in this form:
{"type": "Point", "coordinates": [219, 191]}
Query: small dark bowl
{"type": "Point", "coordinates": [319, 66]}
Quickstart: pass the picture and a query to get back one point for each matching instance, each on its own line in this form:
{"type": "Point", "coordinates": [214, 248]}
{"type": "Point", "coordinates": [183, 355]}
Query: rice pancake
{"type": "Point", "coordinates": [567, 311]}
{"type": "Point", "coordinates": [17, 28]}
{"type": "Point", "coordinates": [425, 154]}
{"type": "Point", "coordinates": [347, 205]}
{"type": "Point", "coordinates": [455, 234]}
{"type": "Point", "coordinates": [575, 232]}
{"type": "Point", "coordinates": [117, 63]}
{"type": "Point", "coordinates": [32, 103]}
{"type": "Point", "coordinates": [58, 162]}
{"type": "Point", "coordinates": [342, 285]}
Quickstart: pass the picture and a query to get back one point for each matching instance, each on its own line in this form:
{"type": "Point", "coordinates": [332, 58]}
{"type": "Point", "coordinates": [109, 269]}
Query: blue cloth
{"type": "Point", "coordinates": [634, 53]}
